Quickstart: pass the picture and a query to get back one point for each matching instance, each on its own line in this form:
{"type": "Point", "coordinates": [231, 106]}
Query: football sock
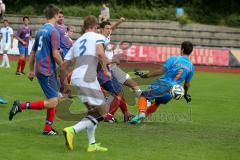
{"type": "Point", "coordinates": [114, 105]}
{"type": "Point", "coordinates": [83, 124]}
{"type": "Point", "coordinates": [23, 65]}
{"type": "Point", "coordinates": [151, 109]}
{"type": "Point", "coordinates": [123, 107]}
{"type": "Point", "coordinates": [49, 119]}
{"type": "Point", "coordinates": [7, 60]}
{"type": "Point", "coordinates": [4, 59]}
{"type": "Point", "coordinates": [91, 134]}
{"type": "Point", "coordinates": [37, 105]}
{"type": "Point", "coordinates": [19, 65]}
{"type": "Point", "coordinates": [142, 104]}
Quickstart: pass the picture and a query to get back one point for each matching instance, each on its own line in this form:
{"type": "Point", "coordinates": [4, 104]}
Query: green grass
{"type": "Point", "coordinates": [210, 131]}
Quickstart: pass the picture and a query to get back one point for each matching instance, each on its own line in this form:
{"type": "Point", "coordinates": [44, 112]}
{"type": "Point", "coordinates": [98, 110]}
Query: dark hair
{"type": "Point", "coordinates": [89, 22]}
{"type": "Point", "coordinates": [104, 23]}
{"type": "Point", "coordinates": [187, 47]}
{"type": "Point", "coordinates": [25, 17]}
{"type": "Point", "coordinates": [50, 11]}
{"type": "Point", "coordinates": [61, 12]}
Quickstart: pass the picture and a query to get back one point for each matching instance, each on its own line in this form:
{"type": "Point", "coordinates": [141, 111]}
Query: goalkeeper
{"type": "Point", "coordinates": [175, 70]}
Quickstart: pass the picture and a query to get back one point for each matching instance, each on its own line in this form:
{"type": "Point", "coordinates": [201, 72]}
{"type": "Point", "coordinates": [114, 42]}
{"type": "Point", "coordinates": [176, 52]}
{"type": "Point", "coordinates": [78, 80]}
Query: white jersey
{"type": "Point", "coordinates": [6, 33]}
{"type": "Point", "coordinates": [84, 75]}
{"type": "Point", "coordinates": [108, 48]}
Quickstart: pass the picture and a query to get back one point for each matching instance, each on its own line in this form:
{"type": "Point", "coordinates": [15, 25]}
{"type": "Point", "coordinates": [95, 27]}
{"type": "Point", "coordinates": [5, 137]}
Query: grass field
{"type": "Point", "coordinates": [207, 128]}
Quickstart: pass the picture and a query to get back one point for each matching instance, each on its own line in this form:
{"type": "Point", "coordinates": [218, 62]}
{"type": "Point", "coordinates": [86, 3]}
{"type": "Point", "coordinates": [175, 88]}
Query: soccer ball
{"type": "Point", "coordinates": [177, 92]}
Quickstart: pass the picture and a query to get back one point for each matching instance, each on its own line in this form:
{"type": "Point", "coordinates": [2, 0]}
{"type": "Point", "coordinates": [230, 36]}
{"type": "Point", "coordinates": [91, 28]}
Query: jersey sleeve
{"type": "Point", "coordinates": [55, 40]}
{"type": "Point", "coordinates": [70, 54]}
{"type": "Point", "coordinates": [100, 39]}
{"type": "Point", "coordinates": [169, 63]}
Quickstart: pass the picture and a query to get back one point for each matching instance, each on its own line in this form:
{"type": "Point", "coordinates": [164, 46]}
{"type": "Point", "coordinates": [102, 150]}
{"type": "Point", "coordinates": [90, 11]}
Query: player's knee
{"type": "Point", "coordinates": [53, 102]}
{"type": "Point", "coordinates": [94, 117]}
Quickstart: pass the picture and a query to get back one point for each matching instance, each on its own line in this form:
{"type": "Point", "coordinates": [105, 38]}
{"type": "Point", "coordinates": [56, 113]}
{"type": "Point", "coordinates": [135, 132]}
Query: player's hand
{"type": "Point", "coordinates": [24, 43]}
{"type": "Point", "coordinates": [140, 73]}
{"type": "Point", "coordinates": [31, 75]}
{"type": "Point", "coordinates": [188, 98]}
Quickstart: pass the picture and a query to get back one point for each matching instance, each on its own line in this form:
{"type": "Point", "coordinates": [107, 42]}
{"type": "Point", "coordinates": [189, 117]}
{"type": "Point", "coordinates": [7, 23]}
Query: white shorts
{"type": "Point", "coordinates": [119, 74]}
{"type": "Point", "coordinates": [5, 46]}
{"type": "Point", "coordinates": [90, 93]}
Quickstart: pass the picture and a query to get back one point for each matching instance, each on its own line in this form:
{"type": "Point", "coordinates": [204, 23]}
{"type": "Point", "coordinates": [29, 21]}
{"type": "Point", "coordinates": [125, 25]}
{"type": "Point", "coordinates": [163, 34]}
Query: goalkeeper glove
{"type": "Point", "coordinates": [188, 98]}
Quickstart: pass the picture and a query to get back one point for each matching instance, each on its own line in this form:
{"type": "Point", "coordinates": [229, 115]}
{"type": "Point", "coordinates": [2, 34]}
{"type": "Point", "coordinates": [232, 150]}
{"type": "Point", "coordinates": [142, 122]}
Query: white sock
{"type": "Point", "coordinates": [7, 61]}
{"type": "Point", "coordinates": [4, 60]}
{"type": "Point", "coordinates": [91, 134]}
{"type": "Point", "coordinates": [83, 124]}
{"type": "Point", "coordinates": [138, 92]}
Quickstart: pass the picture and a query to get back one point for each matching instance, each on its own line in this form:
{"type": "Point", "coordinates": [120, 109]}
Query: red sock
{"type": "Point", "coordinates": [123, 107]}
{"type": "Point", "coordinates": [19, 65]}
{"type": "Point", "coordinates": [151, 109]}
{"type": "Point", "coordinates": [23, 65]}
{"type": "Point", "coordinates": [37, 105]}
{"type": "Point", "coordinates": [114, 105]}
{"type": "Point", "coordinates": [49, 119]}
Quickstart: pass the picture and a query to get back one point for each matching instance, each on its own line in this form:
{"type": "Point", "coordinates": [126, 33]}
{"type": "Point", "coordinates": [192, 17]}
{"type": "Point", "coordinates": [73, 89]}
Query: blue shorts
{"type": "Point", "coordinates": [23, 50]}
{"type": "Point", "coordinates": [159, 91]}
{"type": "Point", "coordinates": [113, 86]}
{"type": "Point", "coordinates": [64, 52]}
{"type": "Point", "coordinates": [49, 85]}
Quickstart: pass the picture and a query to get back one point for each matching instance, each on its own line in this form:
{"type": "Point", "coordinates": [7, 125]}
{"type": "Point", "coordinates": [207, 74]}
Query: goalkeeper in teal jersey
{"type": "Point", "coordinates": [175, 71]}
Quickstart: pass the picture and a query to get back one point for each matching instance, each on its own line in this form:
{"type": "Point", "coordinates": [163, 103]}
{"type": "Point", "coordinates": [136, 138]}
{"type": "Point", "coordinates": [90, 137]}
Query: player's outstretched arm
{"type": "Point", "coordinates": [149, 74]}
{"type": "Point", "coordinates": [31, 73]}
{"type": "Point", "coordinates": [115, 25]}
{"type": "Point", "coordinates": [187, 96]}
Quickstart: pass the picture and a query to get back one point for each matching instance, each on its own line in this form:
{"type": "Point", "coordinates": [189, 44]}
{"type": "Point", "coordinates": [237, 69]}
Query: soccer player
{"type": "Point", "coordinates": [23, 35]}
{"type": "Point", "coordinates": [87, 51]}
{"type": "Point", "coordinates": [6, 42]}
{"type": "Point", "coordinates": [118, 74]}
{"type": "Point", "coordinates": [175, 70]}
{"type": "Point", "coordinates": [44, 56]}
{"type": "Point", "coordinates": [65, 42]}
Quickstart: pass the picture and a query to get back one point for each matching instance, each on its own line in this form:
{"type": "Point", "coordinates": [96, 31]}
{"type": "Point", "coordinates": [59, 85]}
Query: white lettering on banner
{"type": "Point", "coordinates": [131, 52]}
{"type": "Point", "coordinates": [202, 56]}
{"type": "Point", "coordinates": [141, 54]}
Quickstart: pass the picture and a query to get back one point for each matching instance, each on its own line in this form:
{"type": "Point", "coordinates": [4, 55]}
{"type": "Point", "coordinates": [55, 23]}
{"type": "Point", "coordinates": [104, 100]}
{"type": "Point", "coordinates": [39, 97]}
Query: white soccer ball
{"type": "Point", "coordinates": [177, 92]}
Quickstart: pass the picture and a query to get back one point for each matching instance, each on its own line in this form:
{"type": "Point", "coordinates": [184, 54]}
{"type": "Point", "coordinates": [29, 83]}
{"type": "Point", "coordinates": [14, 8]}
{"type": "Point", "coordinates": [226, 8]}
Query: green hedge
{"type": "Point", "coordinates": [165, 12]}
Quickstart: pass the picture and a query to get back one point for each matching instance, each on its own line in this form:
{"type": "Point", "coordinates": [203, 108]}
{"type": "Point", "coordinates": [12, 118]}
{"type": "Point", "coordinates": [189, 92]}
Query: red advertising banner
{"type": "Point", "coordinates": [200, 56]}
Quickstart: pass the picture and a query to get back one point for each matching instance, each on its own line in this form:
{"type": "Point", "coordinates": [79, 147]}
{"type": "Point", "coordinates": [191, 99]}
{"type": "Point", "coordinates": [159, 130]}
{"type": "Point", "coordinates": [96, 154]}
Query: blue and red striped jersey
{"type": "Point", "coordinates": [47, 39]}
